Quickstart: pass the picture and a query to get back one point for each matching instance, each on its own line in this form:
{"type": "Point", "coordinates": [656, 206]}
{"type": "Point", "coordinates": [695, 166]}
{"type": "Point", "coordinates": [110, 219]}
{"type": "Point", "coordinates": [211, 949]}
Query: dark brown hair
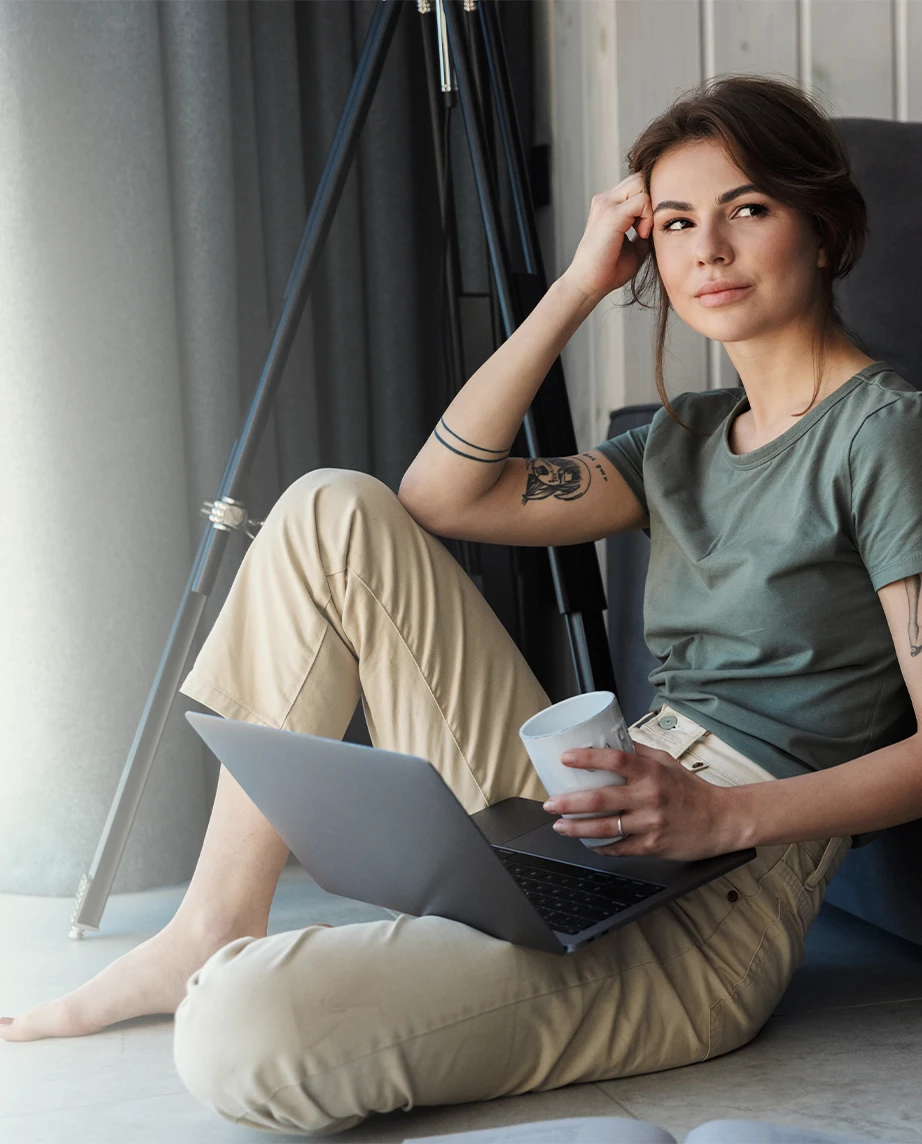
{"type": "Point", "coordinates": [785, 143]}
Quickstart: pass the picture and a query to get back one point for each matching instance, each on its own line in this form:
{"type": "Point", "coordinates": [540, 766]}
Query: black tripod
{"type": "Point", "coordinates": [547, 429]}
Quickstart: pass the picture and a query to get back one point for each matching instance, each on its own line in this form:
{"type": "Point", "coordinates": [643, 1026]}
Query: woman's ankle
{"type": "Point", "coordinates": [211, 929]}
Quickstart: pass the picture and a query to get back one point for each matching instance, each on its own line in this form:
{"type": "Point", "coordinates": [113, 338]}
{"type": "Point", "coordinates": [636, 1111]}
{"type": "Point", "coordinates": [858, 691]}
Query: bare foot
{"type": "Point", "coordinates": [151, 978]}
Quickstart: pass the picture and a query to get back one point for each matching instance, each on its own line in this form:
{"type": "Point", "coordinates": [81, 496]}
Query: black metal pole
{"type": "Point", "coordinates": [466, 552]}
{"type": "Point", "coordinates": [437, 116]}
{"type": "Point", "coordinates": [510, 137]}
{"type": "Point", "coordinates": [576, 576]}
{"type": "Point", "coordinates": [579, 563]}
{"type": "Point", "coordinates": [95, 886]}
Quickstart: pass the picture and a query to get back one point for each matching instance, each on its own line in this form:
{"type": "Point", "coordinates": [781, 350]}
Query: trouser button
{"type": "Point", "coordinates": [667, 722]}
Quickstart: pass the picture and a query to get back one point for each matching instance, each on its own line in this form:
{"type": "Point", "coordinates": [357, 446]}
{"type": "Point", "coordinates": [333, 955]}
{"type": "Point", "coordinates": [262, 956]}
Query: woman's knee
{"type": "Point", "coordinates": [329, 504]}
{"type": "Point", "coordinates": [338, 489]}
{"type": "Point", "coordinates": [260, 1033]}
{"type": "Point", "coordinates": [344, 516]}
{"type": "Point", "coordinates": [242, 1038]}
{"type": "Point", "coordinates": [213, 1041]}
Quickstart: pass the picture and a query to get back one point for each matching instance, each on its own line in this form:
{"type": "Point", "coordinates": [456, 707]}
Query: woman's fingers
{"type": "Point", "coordinates": [664, 810]}
{"type": "Point", "coordinates": [631, 846]}
{"type": "Point", "coordinates": [638, 206]}
{"type": "Point", "coordinates": [626, 763]}
{"type": "Point", "coordinates": [605, 826]}
{"type": "Point", "coordinates": [613, 799]}
{"type": "Point", "coordinates": [635, 189]}
{"type": "Point", "coordinates": [604, 261]}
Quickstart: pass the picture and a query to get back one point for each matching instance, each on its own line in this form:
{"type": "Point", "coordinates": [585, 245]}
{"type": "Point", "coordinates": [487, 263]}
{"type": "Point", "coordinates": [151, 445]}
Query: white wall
{"type": "Point", "coordinates": [612, 65]}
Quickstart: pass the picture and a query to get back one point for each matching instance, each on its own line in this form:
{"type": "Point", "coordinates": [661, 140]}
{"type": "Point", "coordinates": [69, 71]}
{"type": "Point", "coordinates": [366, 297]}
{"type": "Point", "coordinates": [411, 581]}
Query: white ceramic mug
{"type": "Point", "coordinates": [591, 720]}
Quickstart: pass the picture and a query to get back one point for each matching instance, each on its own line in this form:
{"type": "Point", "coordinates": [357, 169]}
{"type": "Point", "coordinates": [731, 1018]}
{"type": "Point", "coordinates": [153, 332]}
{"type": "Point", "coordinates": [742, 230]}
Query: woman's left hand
{"type": "Point", "coordinates": [665, 810]}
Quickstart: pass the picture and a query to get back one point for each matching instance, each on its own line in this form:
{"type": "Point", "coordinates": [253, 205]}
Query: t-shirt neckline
{"type": "Point", "coordinates": [789, 436]}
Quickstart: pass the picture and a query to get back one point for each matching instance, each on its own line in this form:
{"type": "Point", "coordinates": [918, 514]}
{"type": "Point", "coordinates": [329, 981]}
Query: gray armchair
{"type": "Point", "coordinates": [882, 881]}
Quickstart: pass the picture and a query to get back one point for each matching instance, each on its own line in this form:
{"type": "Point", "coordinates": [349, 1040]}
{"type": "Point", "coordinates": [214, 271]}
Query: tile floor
{"type": "Point", "coordinates": [841, 1052]}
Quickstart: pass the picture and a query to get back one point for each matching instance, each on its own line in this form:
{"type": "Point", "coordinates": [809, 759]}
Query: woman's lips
{"type": "Point", "coordinates": [721, 297]}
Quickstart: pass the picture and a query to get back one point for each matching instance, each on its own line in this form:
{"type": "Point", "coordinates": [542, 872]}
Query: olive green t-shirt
{"type": "Point", "coordinates": [761, 596]}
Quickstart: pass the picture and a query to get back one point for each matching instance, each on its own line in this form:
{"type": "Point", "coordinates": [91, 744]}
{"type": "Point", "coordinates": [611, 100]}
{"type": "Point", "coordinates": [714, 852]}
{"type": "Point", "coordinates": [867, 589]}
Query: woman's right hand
{"type": "Point", "coordinates": [606, 258]}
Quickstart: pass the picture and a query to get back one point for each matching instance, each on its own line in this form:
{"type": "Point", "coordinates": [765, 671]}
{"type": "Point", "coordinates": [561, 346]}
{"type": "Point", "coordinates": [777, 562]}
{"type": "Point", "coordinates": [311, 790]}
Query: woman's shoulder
{"type": "Point", "coordinates": [885, 386]}
{"type": "Point", "coordinates": [887, 409]}
{"type": "Point", "coordinates": [701, 409]}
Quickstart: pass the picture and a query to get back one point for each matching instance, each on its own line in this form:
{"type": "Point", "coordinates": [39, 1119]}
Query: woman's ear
{"type": "Point", "coordinates": [821, 257]}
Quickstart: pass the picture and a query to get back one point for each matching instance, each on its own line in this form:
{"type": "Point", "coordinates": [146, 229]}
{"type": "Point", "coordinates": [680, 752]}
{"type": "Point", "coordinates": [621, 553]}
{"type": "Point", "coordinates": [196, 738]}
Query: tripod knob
{"type": "Point", "coordinates": [230, 515]}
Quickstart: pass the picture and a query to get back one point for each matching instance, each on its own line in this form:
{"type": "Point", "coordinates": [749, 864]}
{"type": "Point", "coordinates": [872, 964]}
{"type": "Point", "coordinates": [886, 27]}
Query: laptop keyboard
{"type": "Point", "coordinates": [570, 898]}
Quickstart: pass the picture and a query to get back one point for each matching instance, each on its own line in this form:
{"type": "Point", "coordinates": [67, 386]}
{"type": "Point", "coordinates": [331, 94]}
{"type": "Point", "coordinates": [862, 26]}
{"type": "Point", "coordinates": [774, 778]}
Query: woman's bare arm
{"type": "Point", "coordinates": [446, 486]}
{"type": "Point", "coordinates": [465, 455]}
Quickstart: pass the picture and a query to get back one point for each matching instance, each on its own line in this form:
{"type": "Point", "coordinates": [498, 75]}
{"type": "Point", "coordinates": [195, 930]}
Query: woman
{"type": "Point", "coordinates": [782, 601]}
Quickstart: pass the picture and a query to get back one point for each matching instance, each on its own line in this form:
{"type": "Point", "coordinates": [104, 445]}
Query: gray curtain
{"type": "Point", "coordinates": [158, 161]}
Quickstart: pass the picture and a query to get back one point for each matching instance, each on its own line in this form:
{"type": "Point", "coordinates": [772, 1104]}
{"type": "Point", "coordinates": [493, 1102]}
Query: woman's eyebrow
{"type": "Point", "coordinates": [674, 205]}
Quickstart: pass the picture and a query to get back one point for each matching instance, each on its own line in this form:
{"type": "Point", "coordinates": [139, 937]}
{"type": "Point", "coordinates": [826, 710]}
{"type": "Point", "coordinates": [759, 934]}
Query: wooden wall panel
{"type": "Point", "coordinates": [851, 62]}
{"type": "Point", "coordinates": [658, 58]}
{"type": "Point", "coordinates": [754, 36]}
{"type": "Point", "coordinates": [908, 49]}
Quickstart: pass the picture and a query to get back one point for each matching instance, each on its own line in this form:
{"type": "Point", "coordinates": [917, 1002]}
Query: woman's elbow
{"type": "Point", "coordinates": [420, 506]}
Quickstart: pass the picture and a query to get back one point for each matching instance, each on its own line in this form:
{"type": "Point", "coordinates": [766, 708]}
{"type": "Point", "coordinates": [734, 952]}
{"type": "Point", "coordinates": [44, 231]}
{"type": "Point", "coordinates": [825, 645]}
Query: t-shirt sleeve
{"type": "Point", "coordinates": [626, 453]}
{"type": "Point", "coordinates": [885, 466]}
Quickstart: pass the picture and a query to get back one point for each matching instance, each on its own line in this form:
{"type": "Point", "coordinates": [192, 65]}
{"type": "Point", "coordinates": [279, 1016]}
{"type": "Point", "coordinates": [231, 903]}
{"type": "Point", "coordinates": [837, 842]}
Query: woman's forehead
{"type": "Point", "coordinates": [699, 164]}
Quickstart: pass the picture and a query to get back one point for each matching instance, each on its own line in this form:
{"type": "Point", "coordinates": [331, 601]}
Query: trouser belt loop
{"type": "Point", "coordinates": [832, 848]}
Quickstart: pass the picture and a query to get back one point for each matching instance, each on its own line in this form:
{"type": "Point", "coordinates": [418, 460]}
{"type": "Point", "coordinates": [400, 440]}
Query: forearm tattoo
{"type": "Point", "coordinates": [566, 478]}
{"type": "Point", "coordinates": [499, 454]}
{"type": "Point", "coordinates": [913, 586]}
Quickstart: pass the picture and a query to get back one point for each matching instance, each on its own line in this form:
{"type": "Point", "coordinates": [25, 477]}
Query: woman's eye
{"type": "Point", "coordinates": [759, 208]}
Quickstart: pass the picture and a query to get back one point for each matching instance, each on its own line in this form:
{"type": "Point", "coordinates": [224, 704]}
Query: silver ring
{"type": "Point", "coordinates": [620, 829]}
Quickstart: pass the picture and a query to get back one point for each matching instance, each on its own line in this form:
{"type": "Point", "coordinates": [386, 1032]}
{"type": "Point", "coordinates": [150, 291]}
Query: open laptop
{"type": "Point", "coordinates": [384, 828]}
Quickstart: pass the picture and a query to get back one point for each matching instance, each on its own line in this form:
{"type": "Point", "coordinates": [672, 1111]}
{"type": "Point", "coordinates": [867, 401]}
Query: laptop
{"type": "Point", "coordinates": [383, 827]}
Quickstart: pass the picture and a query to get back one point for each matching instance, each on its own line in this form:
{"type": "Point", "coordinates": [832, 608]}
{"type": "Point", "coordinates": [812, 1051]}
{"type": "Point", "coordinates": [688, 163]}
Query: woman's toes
{"type": "Point", "coordinates": [59, 1018]}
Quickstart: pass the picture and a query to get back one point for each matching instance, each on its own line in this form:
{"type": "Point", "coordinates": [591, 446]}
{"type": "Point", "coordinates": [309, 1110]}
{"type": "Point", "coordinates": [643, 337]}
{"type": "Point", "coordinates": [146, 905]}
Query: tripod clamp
{"type": "Point", "coordinates": [229, 515]}
{"type": "Point", "coordinates": [446, 73]}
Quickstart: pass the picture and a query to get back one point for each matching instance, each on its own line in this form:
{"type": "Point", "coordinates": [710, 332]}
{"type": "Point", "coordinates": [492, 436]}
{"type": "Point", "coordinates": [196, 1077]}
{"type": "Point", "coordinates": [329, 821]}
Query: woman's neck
{"type": "Point", "coordinates": [779, 391]}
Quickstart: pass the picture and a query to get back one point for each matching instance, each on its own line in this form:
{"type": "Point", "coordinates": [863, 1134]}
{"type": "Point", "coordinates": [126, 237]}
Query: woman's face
{"type": "Point", "coordinates": [751, 239]}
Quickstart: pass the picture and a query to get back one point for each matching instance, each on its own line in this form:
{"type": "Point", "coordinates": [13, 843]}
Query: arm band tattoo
{"type": "Point", "coordinates": [913, 591]}
{"type": "Point", "coordinates": [470, 457]}
{"type": "Point", "coordinates": [482, 448]}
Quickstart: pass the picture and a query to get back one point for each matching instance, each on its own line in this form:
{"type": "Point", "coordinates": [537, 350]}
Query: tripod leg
{"type": "Point", "coordinates": [95, 886]}
{"type": "Point", "coordinates": [467, 553]}
{"type": "Point", "coordinates": [575, 570]}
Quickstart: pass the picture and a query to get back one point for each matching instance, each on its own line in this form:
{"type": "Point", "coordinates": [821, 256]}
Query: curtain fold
{"type": "Point", "coordinates": [159, 160]}
{"type": "Point", "coordinates": [92, 458]}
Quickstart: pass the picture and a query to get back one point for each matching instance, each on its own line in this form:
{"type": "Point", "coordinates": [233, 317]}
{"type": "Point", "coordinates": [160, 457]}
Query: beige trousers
{"type": "Point", "coordinates": [343, 595]}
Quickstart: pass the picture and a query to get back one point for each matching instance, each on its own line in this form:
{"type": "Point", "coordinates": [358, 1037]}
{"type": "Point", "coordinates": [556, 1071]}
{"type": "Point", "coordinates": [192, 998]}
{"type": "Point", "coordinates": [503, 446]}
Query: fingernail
{"type": "Point", "coordinates": [550, 805]}
{"type": "Point", "coordinates": [559, 827]}
{"type": "Point", "coordinates": [567, 757]}
{"type": "Point", "coordinates": [6, 1020]}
